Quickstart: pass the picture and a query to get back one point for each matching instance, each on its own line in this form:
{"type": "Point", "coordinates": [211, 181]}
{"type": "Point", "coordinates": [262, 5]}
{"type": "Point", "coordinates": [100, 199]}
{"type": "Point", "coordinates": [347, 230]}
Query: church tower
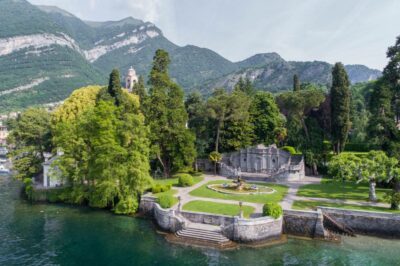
{"type": "Point", "coordinates": [131, 79]}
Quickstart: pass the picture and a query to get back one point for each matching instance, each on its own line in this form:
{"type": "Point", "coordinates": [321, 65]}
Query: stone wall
{"type": "Point", "coordinates": [167, 219]}
{"type": "Point", "coordinates": [367, 223]}
{"type": "Point", "coordinates": [303, 223]}
{"type": "Point", "coordinates": [256, 229]}
{"type": "Point", "coordinates": [207, 218]}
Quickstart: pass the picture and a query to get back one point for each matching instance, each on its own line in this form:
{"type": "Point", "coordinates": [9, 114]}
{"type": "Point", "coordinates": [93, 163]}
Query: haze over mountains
{"type": "Point", "coordinates": [46, 53]}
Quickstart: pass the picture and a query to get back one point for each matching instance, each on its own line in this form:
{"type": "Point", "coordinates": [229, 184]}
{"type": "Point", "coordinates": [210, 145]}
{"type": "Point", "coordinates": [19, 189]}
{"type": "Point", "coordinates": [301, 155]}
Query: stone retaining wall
{"type": "Point", "coordinates": [207, 218]}
{"type": "Point", "coordinates": [256, 229]}
{"type": "Point", "coordinates": [303, 223]}
{"type": "Point", "coordinates": [367, 223]}
{"type": "Point", "coordinates": [165, 218]}
{"type": "Point", "coordinates": [234, 228]}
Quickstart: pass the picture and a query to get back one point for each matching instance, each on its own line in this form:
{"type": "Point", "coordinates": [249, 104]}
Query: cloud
{"type": "Point", "coordinates": [148, 10]}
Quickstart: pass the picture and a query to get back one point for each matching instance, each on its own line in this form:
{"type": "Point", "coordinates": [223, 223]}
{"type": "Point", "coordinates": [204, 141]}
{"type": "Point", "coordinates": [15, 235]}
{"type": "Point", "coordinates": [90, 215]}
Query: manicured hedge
{"type": "Point", "coordinates": [160, 188]}
{"type": "Point", "coordinates": [185, 180]}
{"type": "Point", "coordinates": [166, 201]}
{"type": "Point", "coordinates": [272, 209]}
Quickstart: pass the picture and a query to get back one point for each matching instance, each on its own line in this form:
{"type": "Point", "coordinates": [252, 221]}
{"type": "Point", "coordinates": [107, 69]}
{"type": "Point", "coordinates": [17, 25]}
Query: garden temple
{"type": "Point", "coordinates": [261, 162]}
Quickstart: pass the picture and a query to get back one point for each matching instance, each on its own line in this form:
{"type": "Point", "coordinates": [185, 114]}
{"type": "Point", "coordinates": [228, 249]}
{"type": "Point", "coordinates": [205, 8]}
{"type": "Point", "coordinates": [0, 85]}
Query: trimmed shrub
{"type": "Point", "coordinates": [272, 209]}
{"type": "Point", "coordinates": [166, 201]}
{"type": "Point", "coordinates": [160, 188]}
{"type": "Point", "coordinates": [185, 180]}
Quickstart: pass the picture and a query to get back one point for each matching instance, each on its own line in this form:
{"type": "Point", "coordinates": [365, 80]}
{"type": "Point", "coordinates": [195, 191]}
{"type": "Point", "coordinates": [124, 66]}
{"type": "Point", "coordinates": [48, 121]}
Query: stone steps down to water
{"type": "Point", "coordinates": [203, 233]}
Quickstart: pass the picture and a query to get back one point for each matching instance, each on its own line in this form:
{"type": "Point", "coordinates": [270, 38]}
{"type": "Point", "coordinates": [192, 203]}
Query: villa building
{"type": "Point", "coordinates": [262, 163]}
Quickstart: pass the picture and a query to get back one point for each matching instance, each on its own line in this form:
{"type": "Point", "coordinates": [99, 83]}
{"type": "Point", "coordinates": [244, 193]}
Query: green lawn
{"type": "Point", "coordinates": [311, 205]}
{"type": "Point", "coordinates": [169, 192]}
{"type": "Point", "coordinates": [331, 189]}
{"type": "Point", "coordinates": [205, 192]}
{"type": "Point", "coordinates": [217, 208]}
{"type": "Point", "coordinates": [174, 181]}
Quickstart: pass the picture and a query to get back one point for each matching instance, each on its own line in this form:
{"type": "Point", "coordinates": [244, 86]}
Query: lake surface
{"type": "Point", "coordinates": [44, 234]}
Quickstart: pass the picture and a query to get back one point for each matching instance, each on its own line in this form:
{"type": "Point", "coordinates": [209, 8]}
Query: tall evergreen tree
{"type": "Point", "coordinates": [296, 83]}
{"type": "Point", "coordinates": [114, 86]}
{"type": "Point", "coordinates": [340, 107]}
{"type": "Point", "coordinates": [266, 119]}
{"type": "Point", "coordinates": [140, 89]}
{"type": "Point", "coordinates": [198, 122]}
{"type": "Point", "coordinates": [172, 142]}
{"type": "Point", "coordinates": [245, 85]}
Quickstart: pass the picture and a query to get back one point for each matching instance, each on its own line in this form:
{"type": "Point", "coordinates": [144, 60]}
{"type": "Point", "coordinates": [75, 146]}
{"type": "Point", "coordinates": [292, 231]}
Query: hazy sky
{"type": "Point", "coordinates": [350, 31]}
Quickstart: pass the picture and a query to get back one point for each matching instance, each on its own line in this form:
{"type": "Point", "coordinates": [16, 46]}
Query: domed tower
{"type": "Point", "coordinates": [131, 79]}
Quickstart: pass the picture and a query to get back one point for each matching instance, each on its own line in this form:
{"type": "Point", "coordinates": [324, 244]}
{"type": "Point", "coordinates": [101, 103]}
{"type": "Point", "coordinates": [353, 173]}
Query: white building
{"type": "Point", "coordinates": [131, 79]}
{"type": "Point", "coordinates": [51, 173]}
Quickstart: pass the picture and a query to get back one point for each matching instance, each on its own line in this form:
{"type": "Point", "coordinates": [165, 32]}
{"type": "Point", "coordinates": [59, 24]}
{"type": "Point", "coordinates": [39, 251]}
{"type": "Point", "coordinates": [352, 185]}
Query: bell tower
{"type": "Point", "coordinates": [131, 79]}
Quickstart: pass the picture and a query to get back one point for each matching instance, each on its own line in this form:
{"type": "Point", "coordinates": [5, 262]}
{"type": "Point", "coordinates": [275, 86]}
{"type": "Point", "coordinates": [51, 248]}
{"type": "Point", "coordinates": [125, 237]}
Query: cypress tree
{"type": "Point", "coordinates": [296, 83]}
{"type": "Point", "coordinates": [114, 86]}
{"type": "Point", "coordinates": [172, 143]}
{"type": "Point", "coordinates": [340, 107]}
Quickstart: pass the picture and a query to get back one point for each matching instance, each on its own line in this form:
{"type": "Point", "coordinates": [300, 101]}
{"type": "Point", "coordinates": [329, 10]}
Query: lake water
{"type": "Point", "coordinates": [42, 234]}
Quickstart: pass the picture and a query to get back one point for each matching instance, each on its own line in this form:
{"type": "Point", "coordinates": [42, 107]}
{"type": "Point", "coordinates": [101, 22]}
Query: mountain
{"type": "Point", "coordinates": [47, 52]}
{"type": "Point", "coordinates": [271, 72]}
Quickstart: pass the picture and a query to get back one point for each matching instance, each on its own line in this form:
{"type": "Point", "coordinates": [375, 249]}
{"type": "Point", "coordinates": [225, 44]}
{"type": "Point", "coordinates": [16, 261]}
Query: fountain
{"type": "Point", "coordinates": [240, 186]}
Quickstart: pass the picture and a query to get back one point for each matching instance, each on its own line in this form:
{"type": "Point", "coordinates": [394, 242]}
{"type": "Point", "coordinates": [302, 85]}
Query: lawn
{"type": "Point", "coordinates": [217, 208]}
{"type": "Point", "coordinates": [205, 192]}
{"type": "Point", "coordinates": [311, 205]}
{"type": "Point", "coordinates": [174, 181]}
{"type": "Point", "coordinates": [331, 189]}
{"type": "Point", "coordinates": [169, 192]}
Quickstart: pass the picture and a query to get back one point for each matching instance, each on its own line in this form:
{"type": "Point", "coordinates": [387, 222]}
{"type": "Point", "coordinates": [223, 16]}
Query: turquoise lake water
{"type": "Point", "coordinates": [44, 234]}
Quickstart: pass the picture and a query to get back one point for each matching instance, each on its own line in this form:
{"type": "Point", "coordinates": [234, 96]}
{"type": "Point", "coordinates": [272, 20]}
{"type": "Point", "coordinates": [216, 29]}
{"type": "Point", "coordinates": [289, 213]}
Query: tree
{"type": "Point", "coordinates": [140, 89]}
{"type": "Point", "coordinates": [198, 122]}
{"type": "Point", "coordinates": [31, 138]}
{"type": "Point", "coordinates": [106, 148]}
{"type": "Point", "coordinates": [238, 130]}
{"type": "Point", "coordinates": [172, 143]}
{"type": "Point", "coordinates": [215, 157]}
{"type": "Point", "coordinates": [296, 83]}
{"type": "Point", "coordinates": [114, 86]}
{"type": "Point", "coordinates": [245, 86]}
{"type": "Point", "coordinates": [376, 166]}
{"type": "Point", "coordinates": [229, 115]}
{"type": "Point", "coordinates": [266, 119]}
{"type": "Point", "coordinates": [67, 126]}
{"type": "Point", "coordinates": [384, 105]}
{"type": "Point", "coordinates": [340, 107]}
{"type": "Point", "coordinates": [296, 106]}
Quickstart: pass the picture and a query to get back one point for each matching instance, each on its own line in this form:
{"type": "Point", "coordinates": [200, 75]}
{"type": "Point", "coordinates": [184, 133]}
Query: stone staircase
{"type": "Point", "coordinates": [203, 235]}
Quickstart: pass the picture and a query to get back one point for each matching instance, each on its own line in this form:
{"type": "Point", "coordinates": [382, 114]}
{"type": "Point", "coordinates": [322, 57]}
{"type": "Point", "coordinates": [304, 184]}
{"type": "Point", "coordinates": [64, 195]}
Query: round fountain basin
{"type": "Point", "coordinates": [248, 189]}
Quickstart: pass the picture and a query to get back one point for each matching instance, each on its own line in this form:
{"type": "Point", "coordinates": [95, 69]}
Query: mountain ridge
{"type": "Point", "coordinates": [64, 52]}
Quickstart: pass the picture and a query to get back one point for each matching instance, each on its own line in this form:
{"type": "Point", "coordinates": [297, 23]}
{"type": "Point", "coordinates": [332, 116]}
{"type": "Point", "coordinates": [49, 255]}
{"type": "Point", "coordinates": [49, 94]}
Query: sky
{"type": "Point", "coordinates": [349, 31]}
